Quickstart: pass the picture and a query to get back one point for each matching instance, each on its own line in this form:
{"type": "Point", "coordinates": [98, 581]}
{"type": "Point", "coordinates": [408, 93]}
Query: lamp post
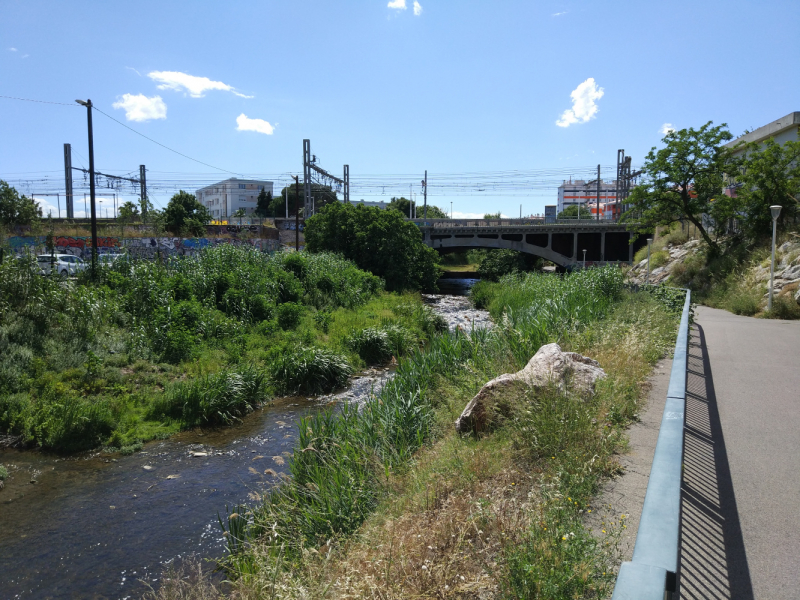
{"type": "Point", "coordinates": [88, 104]}
{"type": "Point", "coordinates": [776, 211]}
{"type": "Point", "coordinates": [584, 259]}
{"type": "Point", "coordinates": [649, 244]}
{"type": "Point", "coordinates": [451, 210]}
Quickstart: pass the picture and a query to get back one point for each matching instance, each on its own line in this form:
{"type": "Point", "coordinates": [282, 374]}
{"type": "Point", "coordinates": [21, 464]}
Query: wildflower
{"type": "Point", "coordinates": [563, 537]}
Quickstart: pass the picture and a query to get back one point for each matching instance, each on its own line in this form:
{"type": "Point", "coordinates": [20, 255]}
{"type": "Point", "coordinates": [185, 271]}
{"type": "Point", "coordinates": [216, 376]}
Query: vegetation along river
{"type": "Point", "coordinates": [99, 525]}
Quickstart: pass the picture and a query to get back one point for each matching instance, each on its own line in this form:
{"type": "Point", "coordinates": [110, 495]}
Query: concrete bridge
{"type": "Point", "coordinates": [562, 242]}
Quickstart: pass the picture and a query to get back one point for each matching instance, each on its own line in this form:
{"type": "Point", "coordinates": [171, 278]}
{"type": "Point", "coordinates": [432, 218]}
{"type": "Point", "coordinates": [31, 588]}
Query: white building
{"type": "Point", "coordinates": [782, 130]}
{"type": "Point", "coordinates": [581, 192]}
{"type": "Point", "coordinates": [223, 199]}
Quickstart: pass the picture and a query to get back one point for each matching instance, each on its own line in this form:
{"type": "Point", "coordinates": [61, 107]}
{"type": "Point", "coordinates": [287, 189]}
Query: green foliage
{"type": "Point", "coordinates": [769, 175]}
{"type": "Point", "coordinates": [241, 212]}
{"type": "Point", "coordinates": [184, 215]}
{"type": "Point", "coordinates": [380, 241]}
{"type": "Point", "coordinates": [3, 473]}
{"type": "Point", "coordinates": [341, 459]}
{"type": "Point", "coordinates": [212, 400]}
{"type": "Point", "coordinates": [575, 211]}
{"type": "Point", "coordinates": [371, 344]}
{"type": "Point", "coordinates": [498, 263]}
{"type": "Point", "coordinates": [289, 315]}
{"type": "Point", "coordinates": [16, 209]}
{"type": "Point", "coordinates": [128, 213]}
{"type": "Point", "coordinates": [323, 196]}
{"type": "Point", "coordinates": [304, 370]}
{"type": "Point", "coordinates": [683, 181]}
{"type": "Point", "coordinates": [434, 212]}
{"type": "Point", "coordinates": [496, 215]}
{"type": "Point", "coordinates": [211, 313]}
{"type": "Point", "coordinates": [263, 208]}
{"type": "Point", "coordinates": [783, 307]}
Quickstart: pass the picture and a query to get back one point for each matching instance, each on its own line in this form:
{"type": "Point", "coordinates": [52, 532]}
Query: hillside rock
{"type": "Point", "coordinates": [549, 366]}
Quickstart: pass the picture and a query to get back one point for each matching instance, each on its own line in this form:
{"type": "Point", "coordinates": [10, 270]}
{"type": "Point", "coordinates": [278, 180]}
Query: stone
{"type": "Point", "coordinates": [549, 366]}
{"type": "Point", "coordinates": [790, 273]}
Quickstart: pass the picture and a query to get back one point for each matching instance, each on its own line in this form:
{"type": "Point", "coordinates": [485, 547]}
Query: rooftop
{"type": "Point", "coordinates": [769, 130]}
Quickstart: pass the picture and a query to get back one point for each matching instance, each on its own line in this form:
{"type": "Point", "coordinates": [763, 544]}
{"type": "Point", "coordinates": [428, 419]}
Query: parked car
{"type": "Point", "coordinates": [65, 265]}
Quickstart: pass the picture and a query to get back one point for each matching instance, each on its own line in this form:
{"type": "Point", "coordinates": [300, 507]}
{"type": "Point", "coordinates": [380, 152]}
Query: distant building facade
{"type": "Point", "coordinates": [223, 199]}
{"type": "Point", "coordinates": [381, 205]}
{"type": "Point", "coordinates": [580, 192]}
{"type": "Point", "coordinates": [550, 213]}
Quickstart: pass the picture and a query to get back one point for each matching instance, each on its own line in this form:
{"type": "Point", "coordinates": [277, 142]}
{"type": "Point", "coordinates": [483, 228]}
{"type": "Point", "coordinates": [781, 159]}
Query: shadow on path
{"type": "Point", "coordinates": [713, 563]}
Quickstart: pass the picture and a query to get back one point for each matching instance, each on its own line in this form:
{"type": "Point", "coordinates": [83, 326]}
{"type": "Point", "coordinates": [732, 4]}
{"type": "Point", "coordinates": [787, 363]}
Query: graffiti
{"type": "Point", "coordinates": [144, 247]}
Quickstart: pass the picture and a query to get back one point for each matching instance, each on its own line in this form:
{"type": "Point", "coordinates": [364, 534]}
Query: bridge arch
{"type": "Point", "coordinates": [560, 243]}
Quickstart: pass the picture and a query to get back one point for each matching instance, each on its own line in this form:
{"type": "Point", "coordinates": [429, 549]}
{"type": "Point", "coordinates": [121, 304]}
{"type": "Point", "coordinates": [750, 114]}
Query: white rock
{"type": "Point", "coordinates": [549, 366]}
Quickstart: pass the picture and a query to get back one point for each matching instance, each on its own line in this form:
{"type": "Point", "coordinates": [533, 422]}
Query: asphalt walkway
{"type": "Point", "coordinates": [741, 487]}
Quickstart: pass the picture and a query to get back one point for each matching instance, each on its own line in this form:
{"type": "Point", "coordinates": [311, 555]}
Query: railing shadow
{"type": "Point", "coordinates": [713, 563]}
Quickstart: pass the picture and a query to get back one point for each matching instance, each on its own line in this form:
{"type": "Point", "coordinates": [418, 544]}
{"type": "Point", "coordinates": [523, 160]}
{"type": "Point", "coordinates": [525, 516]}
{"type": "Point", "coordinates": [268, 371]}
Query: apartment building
{"type": "Point", "coordinates": [223, 199]}
{"type": "Point", "coordinates": [581, 192]}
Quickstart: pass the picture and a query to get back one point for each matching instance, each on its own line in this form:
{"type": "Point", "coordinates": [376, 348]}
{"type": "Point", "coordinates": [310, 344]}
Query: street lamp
{"type": "Point", "coordinates": [776, 211]}
{"type": "Point", "coordinates": [584, 259]}
{"type": "Point", "coordinates": [88, 104]}
{"type": "Point", "coordinates": [649, 245]}
{"type": "Point", "coordinates": [451, 210]}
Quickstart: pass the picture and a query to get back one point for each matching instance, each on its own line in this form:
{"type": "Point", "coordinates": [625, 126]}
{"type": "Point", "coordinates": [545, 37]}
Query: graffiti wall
{"type": "Point", "coordinates": [144, 247]}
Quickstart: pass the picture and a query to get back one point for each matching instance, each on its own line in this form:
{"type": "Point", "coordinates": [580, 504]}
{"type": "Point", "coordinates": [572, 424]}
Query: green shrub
{"type": "Point", "coordinates": [289, 314]}
{"type": "Point", "coordinates": [308, 371]}
{"type": "Point", "coordinates": [401, 340]}
{"type": "Point", "coordinates": [498, 263]}
{"type": "Point", "coordinates": [659, 259]}
{"type": "Point", "coordinates": [3, 473]}
{"type": "Point", "coordinates": [783, 307]}
{"type": "Point", "coordinates": [743, 301]}
{"type": "Point", "coordinates": [371, 344]}
{"type": "Point", "coordinates": [261, 309]}
{"type": "Point", "coordinates": [212, 400]}
{"type": "Point", "coordinates": [480, 294]}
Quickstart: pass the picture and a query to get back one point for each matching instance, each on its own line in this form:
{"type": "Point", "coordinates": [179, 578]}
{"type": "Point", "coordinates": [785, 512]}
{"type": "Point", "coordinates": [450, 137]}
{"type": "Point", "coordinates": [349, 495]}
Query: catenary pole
{"type": "Point", "coordinates": [598, 192]}
{"type": "Point", "coordinates": [88, 105]}
{"type": "Point", "coordinates": [143, 192]}
{"type": "Point", "coordinates": [297, 214]}
{"type": "Point", "coordinates": [425, 195]}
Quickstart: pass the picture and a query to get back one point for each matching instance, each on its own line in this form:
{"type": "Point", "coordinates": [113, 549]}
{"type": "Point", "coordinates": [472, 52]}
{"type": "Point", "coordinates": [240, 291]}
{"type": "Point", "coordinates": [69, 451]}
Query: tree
{"type": "Point", "coordinates": [380, 241]}
{"type": "Point", "coordinates": [129, 212]}
{"type": "Point", "coordinates": [241, 212]}
{"type": "Point", "coordinates": [263, 208]}
{"type": "Point", "coordinates": [769, 175]}
{"type": "Point", "coordinates": [496, 215]}
{"type": "Point", "coordinates": [185, 215]}
{"type": "Point", "coordinates": [404, 206]}
{"type": "Point", "coordinates": [575, 211]}
{"type": "Point", "coordinates": [16, 209]}
{"type": "Point", "coordinates": [684, 181]}
{"type": "Point", "coordinates": [434, 212]}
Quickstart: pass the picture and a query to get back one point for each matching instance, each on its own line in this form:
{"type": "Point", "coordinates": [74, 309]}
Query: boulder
{"type": "Point", "coordinates": [550, 366]}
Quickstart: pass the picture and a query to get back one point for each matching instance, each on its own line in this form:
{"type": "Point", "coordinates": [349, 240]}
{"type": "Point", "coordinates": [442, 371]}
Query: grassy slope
{"type": "Point", "coordinates": [501, 513]}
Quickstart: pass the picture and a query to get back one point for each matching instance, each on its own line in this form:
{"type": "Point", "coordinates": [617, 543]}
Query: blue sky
{"type": "Point", "coordinates": [391, 88]}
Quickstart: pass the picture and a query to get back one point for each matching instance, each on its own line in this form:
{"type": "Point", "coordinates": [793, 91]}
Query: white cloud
{"type": "Point", "coordinates": [666, 128]}
{"type": "Point", "coordinates": [142, 108]}
{"type": "Point", "coordinates": [584, 104]}
{"type": "Point", "coordinates": [463, 215]}
{"type": "Point", "coordinates": [25, 55]}
{"type": "Point", "coordinates": [134, 70]}
{"type": "Point", "coordinates": [12, 49]}
{"type": "Point", "coordinates": [558, 14]}
{"type": "Point", "coordinates": [245, 123]}
{"type": "Point", "coordinates": [194, 86]}
{"type": "Point", "coordinates": [417, 8]}
{"type": "Point", "coordinates": [397, 4]}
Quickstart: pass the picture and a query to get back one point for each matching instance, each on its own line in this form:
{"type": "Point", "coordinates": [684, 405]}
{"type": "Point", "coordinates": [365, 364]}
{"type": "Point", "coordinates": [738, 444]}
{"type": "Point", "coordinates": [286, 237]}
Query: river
{"type": "Point", "coordinates": [99, 525]}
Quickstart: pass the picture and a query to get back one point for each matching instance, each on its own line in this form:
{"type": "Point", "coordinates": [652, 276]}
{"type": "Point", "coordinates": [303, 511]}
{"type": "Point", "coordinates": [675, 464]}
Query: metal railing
{"type": "Point", "coordinates": [652, 574]}
{"type": "Point", "coordinates": [534, 222]}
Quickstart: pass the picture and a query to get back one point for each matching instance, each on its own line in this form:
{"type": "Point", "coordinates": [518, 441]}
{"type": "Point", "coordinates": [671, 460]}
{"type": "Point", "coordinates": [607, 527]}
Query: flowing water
{"type": "Point", "coordinates": [99, 525]}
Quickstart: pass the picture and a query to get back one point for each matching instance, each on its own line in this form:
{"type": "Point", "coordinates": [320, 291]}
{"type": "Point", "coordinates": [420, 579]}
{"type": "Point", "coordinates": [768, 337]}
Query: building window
{"type": "Point", "coordinates": [261, 187]}
{"type": "Point", "coordinates": [242, 199]}
{"type": "Point", "coordinates": [242, 186]}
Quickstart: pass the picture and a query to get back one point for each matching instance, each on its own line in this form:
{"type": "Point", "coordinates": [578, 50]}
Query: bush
{"type": "Point", "coordinates": [211, 400]}
{"type": "Point", "coordinates": [289, 314]}
{"type": "Point", "coordinates": [308, 371]}
{"type": "Point", "coordinates": [261, 308]}
{"type": "Point", "coordinates": [379, 241]}
{"type": "Point", "coordinates": [3, 473]}
{"type": "Point", "coordinates": [371, 344]}
{"type": "Point", "coordinates": [659, 259]}
{"type": "Point", "coordinates": [783, 307]}
{"type": "Point", "coordinates": [501, 262]}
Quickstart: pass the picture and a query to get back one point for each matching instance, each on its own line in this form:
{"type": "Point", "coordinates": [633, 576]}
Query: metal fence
{"type": "Point", "coordinates": [652, 574]}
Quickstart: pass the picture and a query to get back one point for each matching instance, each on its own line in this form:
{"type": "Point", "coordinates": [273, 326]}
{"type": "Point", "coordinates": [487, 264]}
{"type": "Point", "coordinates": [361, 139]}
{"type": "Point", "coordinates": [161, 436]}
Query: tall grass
{"type": "Point", "coordinates": [341, 460]}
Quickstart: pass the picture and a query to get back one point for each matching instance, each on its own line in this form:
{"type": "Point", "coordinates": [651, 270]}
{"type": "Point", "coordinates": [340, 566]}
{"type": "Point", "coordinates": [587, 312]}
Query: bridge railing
{"type": "Point", "coordinates": [458, 223]}
{"type": "Point", "coordinates": [652, 574]}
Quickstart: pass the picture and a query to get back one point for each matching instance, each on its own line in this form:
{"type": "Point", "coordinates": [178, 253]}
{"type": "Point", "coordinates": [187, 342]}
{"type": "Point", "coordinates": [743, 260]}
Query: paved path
{"type": "Point", "coordinates": [741, 488]}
